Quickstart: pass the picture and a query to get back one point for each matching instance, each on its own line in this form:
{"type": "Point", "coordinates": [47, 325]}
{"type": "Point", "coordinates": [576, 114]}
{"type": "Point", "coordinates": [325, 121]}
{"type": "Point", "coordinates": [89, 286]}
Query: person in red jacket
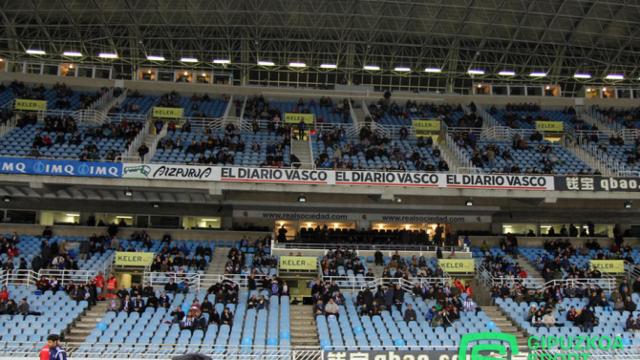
{"type": "Point", "coordinates": [112, 285]}
{"type": "Point", "coordinates": [4, 294]}
{"type": "Point", "coordinates": [52, 342]}
{"type": "Point", "coordinates": [99, 282]}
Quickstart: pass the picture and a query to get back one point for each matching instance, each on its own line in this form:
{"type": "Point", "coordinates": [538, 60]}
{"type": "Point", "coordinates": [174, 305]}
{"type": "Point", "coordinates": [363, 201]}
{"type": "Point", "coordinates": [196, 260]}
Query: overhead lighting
{"type": "Point", "coordinates": [128, 193]}
{"type": "Point", "coordinates": [108, 55]}
{"type": "Point", "coordinates": [507, 73]}
{"type": "Point", "coordinates": [155, 58]}
{"type": "Point", "coordinates": [297, 64]}
{"type": "Point", "coordinates": [188, 60]}
{"type": "Point", "coordinates": [221, 61]}
{"type": "Point", "coordinates": [432, 70]}
{"type": "Point", "coordinates": [475, 72]}
{"type": "Point", "coordinates": [581, 76]}
{"type": "Point", "coordinates": [124, 217]}
{"type": "Point", "coordinates": [72, 214]}
{"type": "Point", "coordinates": [6, 199]}
{"type": "Point", "coordinates": [538, 74]}
{"type": "Point", "coordinates": [266, 63]}
{"type": "Point", "coordinates": [468, 202]}
{"type": "Point", "coordinates": [72, 53]}
{"type": "Point", "coordinates": [36, 52]}
{"type": "Point", "coordinates": [402, 69]}
{"type": "Point", "coordinates": [302, 199]}
{"type": "Point", "coordinates": [398, 200]}
{"type": "Point", "coordinates": [328, 66]}
{"type": "Point", "coordinates": [155, 205]}
{"type": "Point", "coordinates": [628, 204]}
{"type": "Point", "coordinates": [615, 77]}
{"type": "Point", "coordinates": [371, 67]}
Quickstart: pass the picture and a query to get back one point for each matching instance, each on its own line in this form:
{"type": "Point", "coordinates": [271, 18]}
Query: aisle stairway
{"type": "Point", "coordinates": [506, 325]}
{"type": "Point", "coordinates": [86, 323]}
{"type": "Point", "coordinates": [302, 150]}
{"type": "Point", "coordinates": [218, 261]}
{"type": "Point", "coordinates": [304, 331]}
{"type": "Point", "coordinates": [528, 267]}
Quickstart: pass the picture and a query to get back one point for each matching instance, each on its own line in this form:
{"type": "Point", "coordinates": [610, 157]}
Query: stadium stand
{"type": "Point", "coordinates": [135, 104]}
{"type": "Point", "coordinates": [387, 112]}
{"type": "Point", "coordinates": [628, 118]}
{"type": "Point", "coordinates": [524, 116]}
{"type": "Point", "coordinates": [325, 109]}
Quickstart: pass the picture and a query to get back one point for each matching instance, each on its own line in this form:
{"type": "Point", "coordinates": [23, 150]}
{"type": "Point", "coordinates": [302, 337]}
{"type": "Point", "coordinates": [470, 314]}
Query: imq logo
{"type": "Point", "coordinates": [481, 350]}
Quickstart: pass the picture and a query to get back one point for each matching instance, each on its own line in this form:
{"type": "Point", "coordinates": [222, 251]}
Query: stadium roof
{"type": "Point", "coordinates": [556, 37]}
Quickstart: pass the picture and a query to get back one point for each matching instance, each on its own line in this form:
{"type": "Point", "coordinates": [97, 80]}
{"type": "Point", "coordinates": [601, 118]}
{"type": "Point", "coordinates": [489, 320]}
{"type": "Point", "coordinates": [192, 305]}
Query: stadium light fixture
{"type": "Point", "coordinates": [297, 65]}
{"type": "Point", "coordinates": [628, 204]}
{"type": "Point", "coordinates": [222, 61]}
{"type": "Point", "coordinates": [266, 63]}
{"type": "Point", "coordinates": [371, 67]}
{"type": "Point", "coordinates": [328, 66]}
{"type": "Point", "coordinates": [188, 60]}
{"type": "Point", "coordinates": [615, 77]}
{"type": "Point", "coordinates": [507, 73]}
{"type": "Point", "coordinates": [155, 205]}
{"type": "Point", "coordinates": [432, 70]}
{"type": "Point", "coordinates": [468, 202]}
{"type": "Point", "coordinates": [581, 76]}
{"type": "Point", "coordinates": [6, 199]}
{"type": "Point", "coordinates": [128, 193]}
{"type": "Point", "coordinates": [108, 55]}
{"type": "Point", "coordinates": [538, 74]}
{"type": "Point", "coordinates": [302, 199]}
{"type": "Point", "coordinates": [36, 52]}
{"type": "Point", "coordinates": [155, 58]}
{"type": "Point", "coordinates": [72, 53]}
{"type": "Point", "coordinates": [475, 72]}
{"type": "Point", "coordinates": [402, 69]}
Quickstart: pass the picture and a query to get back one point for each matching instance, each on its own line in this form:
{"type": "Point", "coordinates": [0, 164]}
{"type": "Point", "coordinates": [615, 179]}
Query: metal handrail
{"type": "Point", "coordinates": [360, 246]}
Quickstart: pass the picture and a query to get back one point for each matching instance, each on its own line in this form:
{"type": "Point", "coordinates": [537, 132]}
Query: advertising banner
{"type": "Point", "coordinates": [549, 126]}
{"type": "Point", "coordinates": [336, 216]}
{"type": "Point", "coordinates": [295, 118]}
{"type": "Point", "coordinates": [170, 172]}
{"type": "Point", "coordinates": [167, 113]}
{"type": "Point", "coordinates": [389, 178]}
{"type": "Point", "coordinates": [597, 183]}
{"type": "Point", "coordinates": [30, 105]}
{"type": "Point", "coordinates": [307, 263]}
{"type": "Point", "coordinates": [500, 182]}
{"type": "Point", "coordinates": [457, 265]}
{"type": "Point", "coordinates": [608, 266]}
{"type": "Point", "coordinates": [133, 258]}
{"type": "Point", "coordinates": [426, 127]}
{"type": "Point", "coordinates": [23, 166]}
{"type": "Point", "coordinates": [274, 175]}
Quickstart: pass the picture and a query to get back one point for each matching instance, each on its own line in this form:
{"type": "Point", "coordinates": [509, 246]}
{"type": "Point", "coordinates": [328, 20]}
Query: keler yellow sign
{"type": "Point", "coordinates": [550, 126]}
{"type": "Point", "coordinates": [457, 265]}
{"type": "Point", "coordinates": [30, 105]}
{"type": "Point", "coordinates": [608, 266]}
{"type": "Point", "coordinates": [132, 258]}
{"type": "Point", "coordinates": [295, 118]}
{"type": "Point", "coordinates": [166, 112]}
{"type": "Point", "coordinates": [298, 263]}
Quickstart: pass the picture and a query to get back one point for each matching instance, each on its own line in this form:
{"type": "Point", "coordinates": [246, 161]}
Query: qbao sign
{"type": "Point", "coordinates": [597, 183]}
{"type": "Point", "coordinates": [59, 168]}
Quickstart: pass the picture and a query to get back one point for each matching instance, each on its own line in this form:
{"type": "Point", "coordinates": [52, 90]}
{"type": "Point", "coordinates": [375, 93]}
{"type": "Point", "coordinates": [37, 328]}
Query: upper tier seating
{"type": "Point", "coordinates": [616, 149]}
{"type": "Point", "coordinates": [61, 138]}
{"type": "Point", "coordinates": [6, 95]}
{"type": "Point", "coordinates": [230, 147]}
{"type": "Point", "coordinates": [333, 150]}
{"type": "Point", "coordinates": [533, 157]}
{"type": "Point", "coordinates": [524, 116]}
{"type": "Point", "coordinates": [194, 106]}
{"type": "Point", "coordinates": [59, 97]}
{"type": "Point", "coordinates": [325, 110]}
{"type": "Point", "coordinates": [135, 104]}
{"type": "Point", "coordinates": [628, 118]}
{"type": "Point", "coordinates": [387, 112]}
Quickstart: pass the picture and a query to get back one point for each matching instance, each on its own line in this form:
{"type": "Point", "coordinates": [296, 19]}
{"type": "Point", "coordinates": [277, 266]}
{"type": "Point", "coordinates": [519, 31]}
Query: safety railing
{"type": "Point", "coordinates": [154, 145]}
{"type": "Point", "coordinates": [459, 250]}
{"type": "Point", "coordinates": [65, 277]}
{"type": "Point", "coordinates": [603, 121]}
{"type": "Point", "coordinates": [8, 126]}
{"type": "Point", "coordinates": [460, 154]}
{"type": "Point", "coordinates": [132, 150]}
{"type": "Point", "coordinates": [606, 283]}
{"type": "Point", "coordinates": [357, 283]}
{"type": "Point", "coordinates": [197, 280]}
{"type": "Point", "coordinates": [22, 277]}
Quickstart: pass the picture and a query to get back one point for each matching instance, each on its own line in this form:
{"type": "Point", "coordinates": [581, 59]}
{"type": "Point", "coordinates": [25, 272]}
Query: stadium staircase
{"type": "Point", "coordinates": [86, 323]}
{"type": "Point", "coordinates": [358, 116]}
{"type": "Point", "coordinates": [506, 325]}
{"type": "Point", "coordinates": [218, 261]}
{"type": "Point", "coordinates": [302, 150]}
{"type": "Point", "coordinates": [589, 159]}
{"type": "Point", "coordinates": [528, 267]}
{"type": "Point", "coordinates": [304, 331]}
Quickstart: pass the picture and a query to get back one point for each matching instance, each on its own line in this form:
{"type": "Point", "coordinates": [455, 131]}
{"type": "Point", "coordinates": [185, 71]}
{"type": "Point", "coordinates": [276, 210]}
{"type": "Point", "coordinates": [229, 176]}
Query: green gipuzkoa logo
{"type": "Point", "coordinates": [540, 347]}
{"type": "Point", "coordinates": [144, 170]}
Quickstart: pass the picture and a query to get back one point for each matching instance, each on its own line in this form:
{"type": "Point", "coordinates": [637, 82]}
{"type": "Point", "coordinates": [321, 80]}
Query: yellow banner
{"type": "Point", "coordinates": [31, 105]}
{"type": "Point", "coordinates": [426, 126]}
{"type": "Point", "coordinates": [165, 112]}
{"type": "Point", "coordinates": [295, 118]}
{"type": "Point", "coordinates": [550, 126]}
{"type": "Point", "coordinates": [132, 258]}
{"type": "Point", "coordinates": [457, 265]}
{"type": "Point", "coordinates": [608, 266]}
{"type": "Point", "coordinates": [298, 263]}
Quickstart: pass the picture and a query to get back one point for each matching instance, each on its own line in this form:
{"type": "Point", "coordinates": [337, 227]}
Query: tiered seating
{"type": "Point", "coordinates": [396, 115]}
{"type": "Point", "coordinates": [525, 116]}
{"type": "Point", "coordinates": [351, 331]}
{"type": "Point", "coordinates": [251, 329]}
{"type": "Point", "coordinates": [20, 141]}
{"type": "Point", "coordinates": [628, 118]}
{"type": "Point", "coordinates": [616, 150]}
{"type": "Point", "coordinates": [135, 104]}
{"type": "Point", "coordinates": [188, 247]}
{"type": "Point", "coordinates": [35, 328]}
{"type": "Point", "coordinates": [529, 160]}
{"type": "Point", "coordinates": [6, 95]}
{"type": "Point", "coordinates": [578, 260]}
{"type": "Point", "coordinates": [211, 108]}
{"type": "Point", "coordinates": [397, 154]}
{"type": "Point", "coordinates": [328, 113]}
{"type": "Point", "coordinates": [246, 156]}
{"type": "Point", "coordinates": [610, 323]}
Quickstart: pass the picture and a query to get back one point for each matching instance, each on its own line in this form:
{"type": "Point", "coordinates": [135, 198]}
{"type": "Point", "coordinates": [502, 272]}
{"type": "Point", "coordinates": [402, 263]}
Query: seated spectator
{"type": "Point", "coordinates": [214, 317]}
{"type": "Point", "coordinates": [227, 317]}
{"type": "Point", "coordinates": [332, 309]}
{"type": "Point", "coordinates": [318, 308]}
{"type": "Point", "coordinates": [410, 314]}
{"type": "Point", "coordinates": [177, 315]}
